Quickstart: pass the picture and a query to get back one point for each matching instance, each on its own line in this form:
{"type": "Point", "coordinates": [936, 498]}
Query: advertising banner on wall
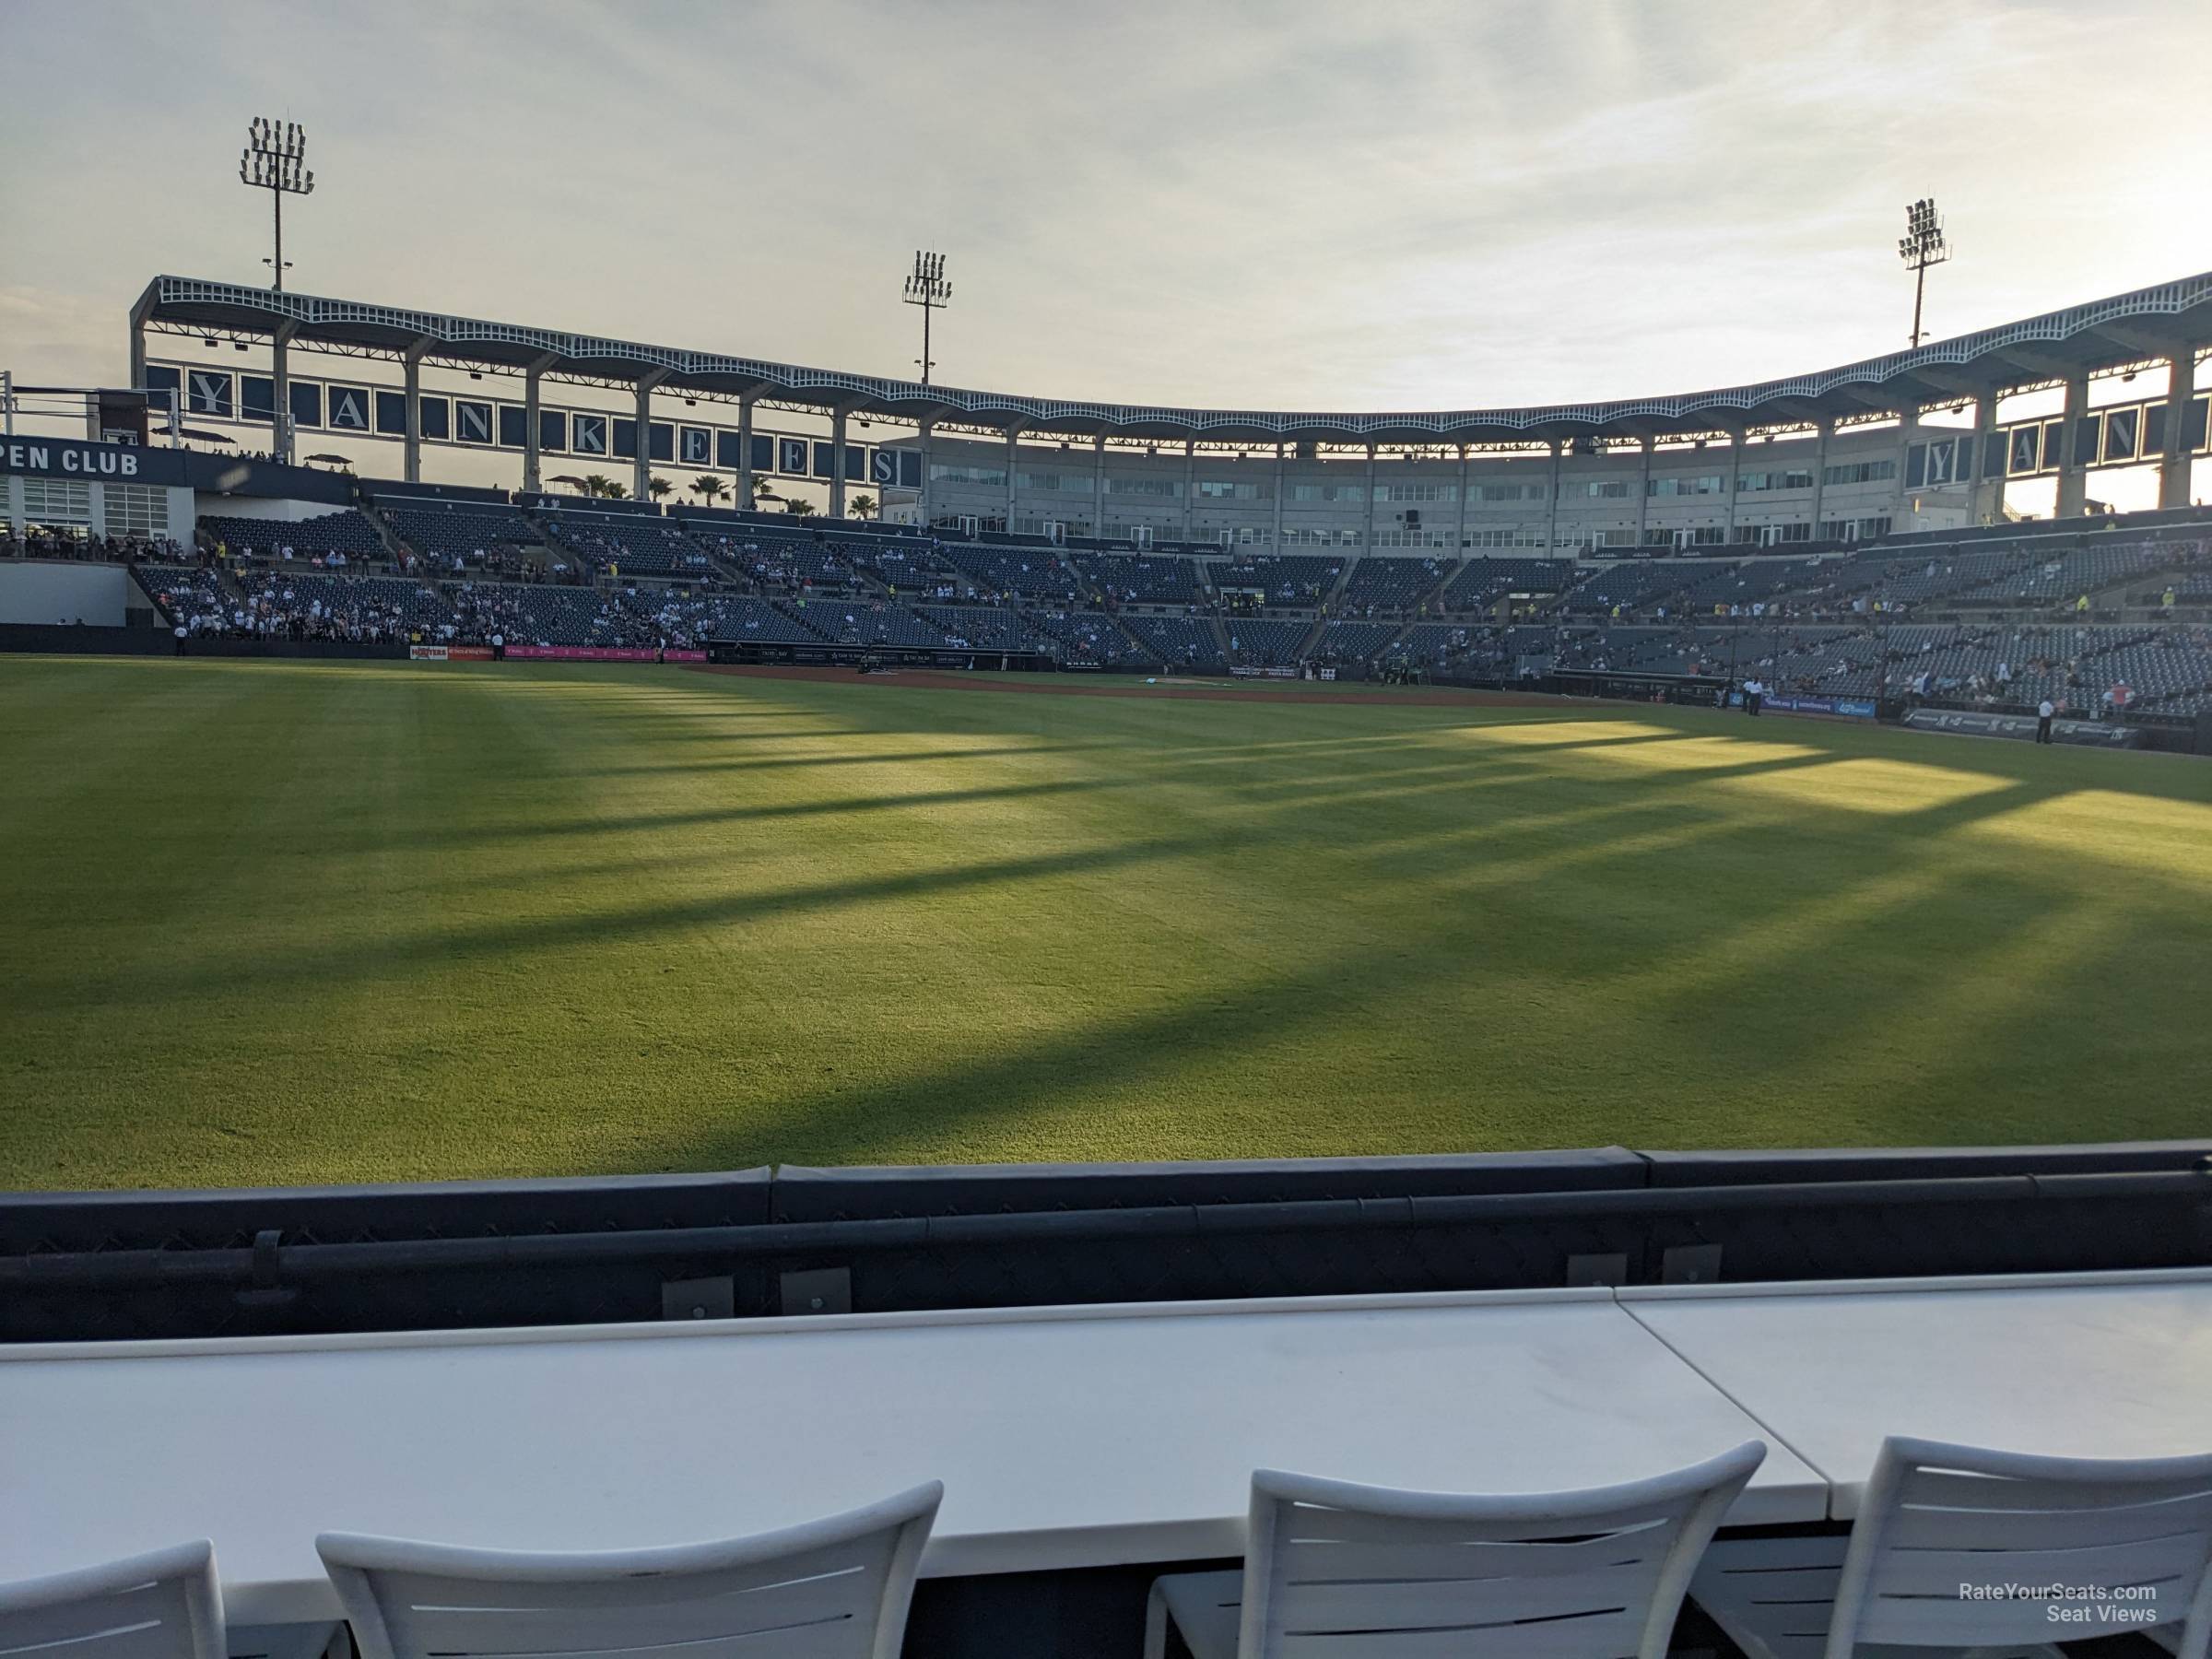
{"type": "Point", "coordinates": [1977, 722]}
{"type": "Point", "coordinates": [603, 654]}
{"type": "Point", "coordinates": [1854, 708]}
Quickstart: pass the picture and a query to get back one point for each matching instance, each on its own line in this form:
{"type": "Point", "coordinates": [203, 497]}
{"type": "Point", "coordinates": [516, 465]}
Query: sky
{"type": "Point", "coordinates": [1394, 205]}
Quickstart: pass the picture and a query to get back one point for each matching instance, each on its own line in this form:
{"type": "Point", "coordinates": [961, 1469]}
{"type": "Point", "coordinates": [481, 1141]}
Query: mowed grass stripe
{"type": "Point", "coordinates": [276, 921]}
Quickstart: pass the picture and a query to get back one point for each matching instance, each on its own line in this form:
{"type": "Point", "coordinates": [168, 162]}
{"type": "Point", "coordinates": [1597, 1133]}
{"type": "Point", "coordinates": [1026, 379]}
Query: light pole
{"type": "Point", "coordinates": [275, 160]}
{"type": "Point", "coordinates": [1923, 244]}
{"type": "Point", "coordinates": [927, 288]}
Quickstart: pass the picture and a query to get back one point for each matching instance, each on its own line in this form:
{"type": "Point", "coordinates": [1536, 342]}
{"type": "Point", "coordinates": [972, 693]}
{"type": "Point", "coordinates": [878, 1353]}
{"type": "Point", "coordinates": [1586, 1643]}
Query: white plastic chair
{"type": "Point", "coordinates": [836, 1588]}
{"type": "Point", "coordinates": [1937, 1517]}
{"type": "Point", "coordinates": [1333, 1570]}
{"type": "Point", "coordinates": [161, 1605]}
{"type": "Point", "coordinates": [311, 1640]}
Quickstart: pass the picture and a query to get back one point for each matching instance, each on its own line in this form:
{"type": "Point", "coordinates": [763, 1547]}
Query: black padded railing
{"type": "Point", "coordinates": [753, 1243]}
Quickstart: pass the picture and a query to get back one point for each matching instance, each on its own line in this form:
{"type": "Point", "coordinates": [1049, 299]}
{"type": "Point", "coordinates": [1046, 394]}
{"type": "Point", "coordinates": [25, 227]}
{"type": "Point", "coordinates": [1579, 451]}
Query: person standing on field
{"type": "Point", "coordinates": [2043, 712]}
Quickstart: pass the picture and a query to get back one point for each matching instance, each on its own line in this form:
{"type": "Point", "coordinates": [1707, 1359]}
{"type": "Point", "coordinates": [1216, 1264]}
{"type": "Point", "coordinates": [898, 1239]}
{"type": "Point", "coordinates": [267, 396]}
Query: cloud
{"type": "Point", "coordinates": [1244, 204]}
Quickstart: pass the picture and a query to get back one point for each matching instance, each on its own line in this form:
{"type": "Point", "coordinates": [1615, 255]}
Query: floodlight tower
{"type": "Point", "coordinates": [927, 288]}
{"type": "Point", "coordinates": [275, 160]}
{"type": "Point", "coordinates": [1923, 244]}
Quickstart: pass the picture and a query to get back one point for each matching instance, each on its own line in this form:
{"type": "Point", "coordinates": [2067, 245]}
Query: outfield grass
{"type": "Point", "coordinates": [275, 923]}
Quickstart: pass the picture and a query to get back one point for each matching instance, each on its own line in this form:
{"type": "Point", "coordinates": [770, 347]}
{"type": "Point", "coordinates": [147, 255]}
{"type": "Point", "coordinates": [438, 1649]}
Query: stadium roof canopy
{"type": "Point", "coordinates": [2125, 329]}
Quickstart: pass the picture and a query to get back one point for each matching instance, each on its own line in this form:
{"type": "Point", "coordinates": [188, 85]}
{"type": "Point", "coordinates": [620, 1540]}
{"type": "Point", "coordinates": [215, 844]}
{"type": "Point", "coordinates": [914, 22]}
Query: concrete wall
{"type": "Point", "coordinates": [259, 507]}
{"type": "Point", "coordinates": [32, 591]}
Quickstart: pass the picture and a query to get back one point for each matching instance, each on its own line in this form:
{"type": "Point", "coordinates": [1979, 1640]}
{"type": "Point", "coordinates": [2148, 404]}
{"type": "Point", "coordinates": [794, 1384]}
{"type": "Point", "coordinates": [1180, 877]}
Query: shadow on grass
{"type": "Point", "coordinates": [1283, 824]}
{"type": "Point", "coordinates": [448, 837]}
{"type": "Point", "coordinates": [968, 1100]}
{"type": "Point", "coordinates": [1764, 1021]}
{"type": "Point", "coordinates": [343, 961]}
{"type": "Point", "coordinates": [791, 762]}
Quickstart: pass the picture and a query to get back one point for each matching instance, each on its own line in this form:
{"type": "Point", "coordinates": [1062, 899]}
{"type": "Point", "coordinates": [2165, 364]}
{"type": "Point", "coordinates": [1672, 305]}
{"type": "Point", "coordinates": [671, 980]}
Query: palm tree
{"type": "Point", "coordinates": [864, 506]}
{"type": "Point", "coordinates": [797, 505]}
{"type": "Point", "coordinates": [594, 484]}
{"type": "Point", "coordinates": [764, 490]}
{"type": "Point", "coordinates": [708, 489]}
{"type": "Point", "coordinates": [613, 490]}
{"type": "Point", "coordinates": [658, 486]}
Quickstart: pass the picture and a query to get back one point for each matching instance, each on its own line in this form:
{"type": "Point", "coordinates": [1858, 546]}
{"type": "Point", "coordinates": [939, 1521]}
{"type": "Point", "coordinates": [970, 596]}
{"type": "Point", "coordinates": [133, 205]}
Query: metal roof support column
{"type": "Point", "coordinates": [1013, 449]}
{"type": "Point", "coordinates": [280, 391]}
{"type": "Point", "coordinates": [1367, 544]}
{"type": "Point", "coordinates": [928, 431]}
{"type": "Point", "coordinates": [1189, 484]}
{"type": "Point", "coordinates": [531, 376]}
{"type": "Point", "coordinates": [1985, 497]}
{"type": "Point", "coordinates": [1908, 419]}
{"type": "Point", "coordinates": [1459, 530]}
{"type": "Point", "coordinates": [2174, 468]}
{"type": "Point", "coordinates": [837, 462]}
{"type": "Point", "coordinates": [2073, 477]}
{"type": "Point", "coordinates": [1279, 486]}
{"type": "Point", "coordinates": [642, 485]}
{"type": "Point", "coordinates": [1643, 486]}
{"type": "Point", "coordinates": [744, 451]}
{"type": "Point", "coordinates": [1825, 427]}
{"type": "Point", "coordinates": [411, 458]}
{"type": "Point", "coordinates": [1551, 517]}
{"type": "Point", "coordinates": [1737, 439]}
{"type": "Point", "coordinates": [1098, 483]}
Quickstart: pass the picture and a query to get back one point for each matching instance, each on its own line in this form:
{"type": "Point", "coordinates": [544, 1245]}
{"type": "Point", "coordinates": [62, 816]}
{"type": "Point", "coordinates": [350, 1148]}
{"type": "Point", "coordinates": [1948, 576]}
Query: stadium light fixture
{"type": "Point", "coordinates": [1923, 244]}
{"type": "Point", "coordinates": [928, 288]}
{"type": "Point", "coordinates": [275, 160]}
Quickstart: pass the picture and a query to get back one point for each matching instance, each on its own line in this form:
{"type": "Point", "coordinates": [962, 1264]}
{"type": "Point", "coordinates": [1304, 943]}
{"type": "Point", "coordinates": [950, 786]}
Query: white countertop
{"type": "Point", "coordinates": [1073, 1437]}
{"type": "Point", "coordinates": [2088, 1365]}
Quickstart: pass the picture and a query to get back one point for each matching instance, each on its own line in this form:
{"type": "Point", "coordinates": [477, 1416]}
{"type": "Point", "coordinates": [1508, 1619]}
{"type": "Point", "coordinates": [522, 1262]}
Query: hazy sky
{"type": "Point", "coordinates": [1337, 206]}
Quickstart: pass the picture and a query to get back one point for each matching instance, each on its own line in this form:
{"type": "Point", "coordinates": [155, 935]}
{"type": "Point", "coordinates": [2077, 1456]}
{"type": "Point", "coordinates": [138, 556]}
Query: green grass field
{"type": "Point", "coordinates": [275, 923]}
